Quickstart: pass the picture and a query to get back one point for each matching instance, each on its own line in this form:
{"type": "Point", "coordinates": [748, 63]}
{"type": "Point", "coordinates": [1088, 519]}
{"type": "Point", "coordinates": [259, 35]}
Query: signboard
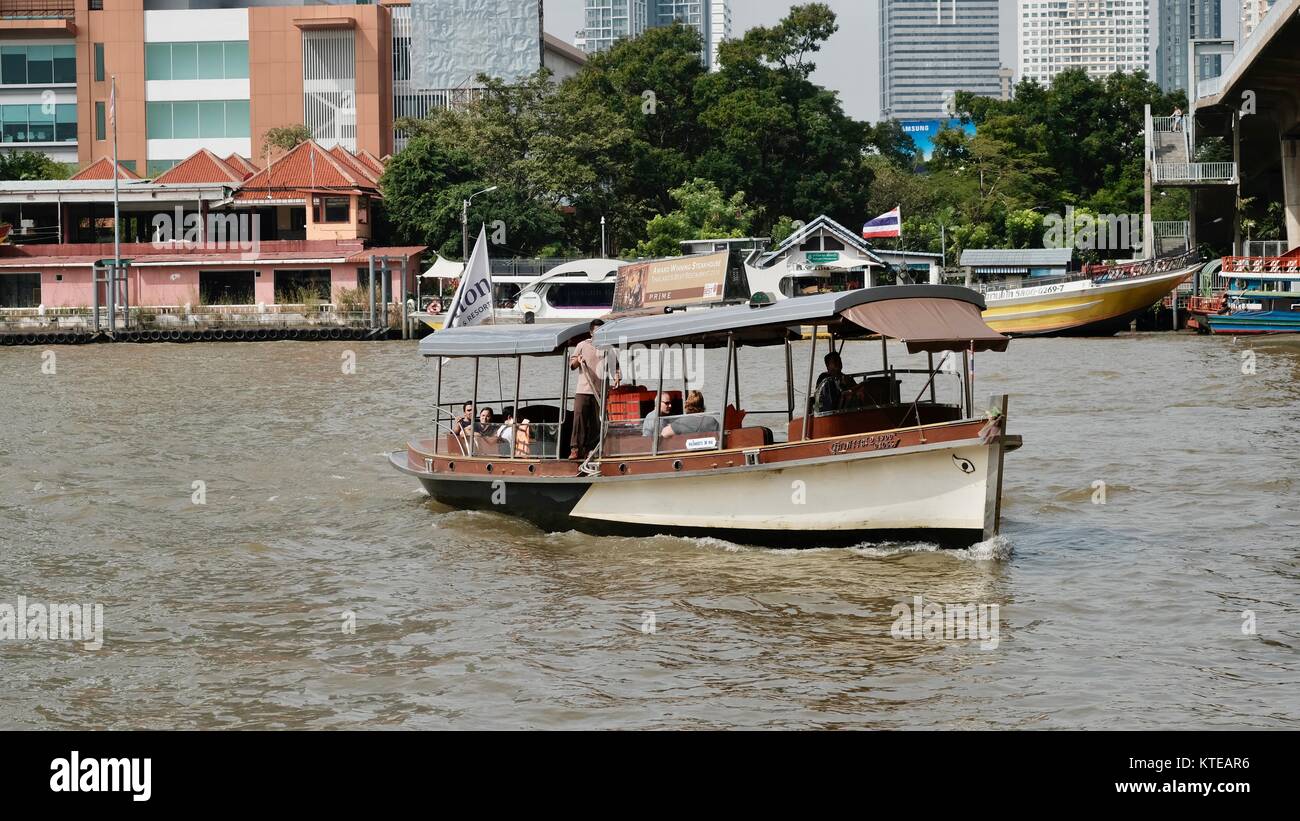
{"type": "Point", "coordinates": [822, 257]}
{"type": "Point", "coordinates": [453, 41]}
{"type": "Point", "coordinates": [662, 283]}
{"type": "Point", "coordinates": [923, 133]}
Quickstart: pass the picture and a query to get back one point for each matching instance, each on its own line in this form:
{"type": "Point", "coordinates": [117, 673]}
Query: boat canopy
{"type": "Point", "coordinates": [503, 340]}
{"type": "Point", "coordinates": [925, 317]}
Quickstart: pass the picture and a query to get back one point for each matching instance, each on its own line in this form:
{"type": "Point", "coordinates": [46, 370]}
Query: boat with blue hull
{"type": "Point", "coordinates": [1261, 296]}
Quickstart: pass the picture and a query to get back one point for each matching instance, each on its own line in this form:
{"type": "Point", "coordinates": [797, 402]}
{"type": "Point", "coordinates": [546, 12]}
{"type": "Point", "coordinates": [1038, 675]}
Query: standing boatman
{"type": "Point", "coordinates": [589, 364]}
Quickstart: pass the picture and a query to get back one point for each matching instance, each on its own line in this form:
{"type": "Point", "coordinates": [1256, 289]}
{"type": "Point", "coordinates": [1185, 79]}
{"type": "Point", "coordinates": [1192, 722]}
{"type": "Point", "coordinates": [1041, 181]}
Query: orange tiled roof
{"type": "Point", "coordinates": [201, 166]}
{"type": "Point", "coordinates": [307, 167]}
{"type": "Point", "coordinates": [350, 160]}
{"type": "Point", "coordinates": [376, 164]}
{"type": "Point", "coordinates": [241, 164]}
{"type": "Point", "coordinates": [102, 169]}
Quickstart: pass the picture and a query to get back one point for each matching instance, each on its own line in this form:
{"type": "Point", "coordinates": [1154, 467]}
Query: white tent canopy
{"type": "Point", "coordinates": [444, 269]}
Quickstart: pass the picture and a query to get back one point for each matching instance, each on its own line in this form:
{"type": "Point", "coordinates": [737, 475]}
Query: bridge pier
{"type": "Point", "coordinates": [1291, 191]}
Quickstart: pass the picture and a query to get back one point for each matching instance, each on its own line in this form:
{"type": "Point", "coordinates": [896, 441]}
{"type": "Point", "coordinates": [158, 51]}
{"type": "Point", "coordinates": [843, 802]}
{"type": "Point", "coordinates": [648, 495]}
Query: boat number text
{"type": "Point", "coordinates": [882, 441]}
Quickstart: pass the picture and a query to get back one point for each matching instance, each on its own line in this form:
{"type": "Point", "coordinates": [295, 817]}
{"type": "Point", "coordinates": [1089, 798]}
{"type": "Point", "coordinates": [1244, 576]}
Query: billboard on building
{"type": "Point", "coordinates": [453, 41]}
{"type": "Point", "coordinates": [923, 132]}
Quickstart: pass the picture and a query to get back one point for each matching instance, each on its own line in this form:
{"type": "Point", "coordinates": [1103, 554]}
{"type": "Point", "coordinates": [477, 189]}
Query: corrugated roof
{"type": "Point", "coordinates": [502, 340]}
{"type": "Point", "coordinates": [102, 169]}
{"type": "Point", "coordinates": [766, 324]}
{"type": "Point", "coordinates": [201, 166]}
{"type": "Point", "coordinates": [1017, 256]}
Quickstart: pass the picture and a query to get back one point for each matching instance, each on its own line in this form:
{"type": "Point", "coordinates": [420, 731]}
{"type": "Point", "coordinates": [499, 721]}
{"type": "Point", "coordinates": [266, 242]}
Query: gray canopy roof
{"type": "Point", "coordinates": [503, 340]}
{"type": "Point", "coordinates": [769, 324]}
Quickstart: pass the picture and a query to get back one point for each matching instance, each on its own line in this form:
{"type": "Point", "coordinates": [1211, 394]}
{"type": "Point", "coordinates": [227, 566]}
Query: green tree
{"type": "Point", "coordinates": [703, 212]}
{"type": "Point", "coordinates": [30, 165]}
{"type": "Point", "coordinates": [284, 138]}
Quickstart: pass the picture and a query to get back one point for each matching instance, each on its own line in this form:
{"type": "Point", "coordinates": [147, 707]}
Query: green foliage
{"type": "Point", "coordinates": [284, 138]}
{"type": "Point", "coordinates": [30, 165]}
{"type": "Point", "coordinates": [703, 213]}
{"type": "Point", "coordinates": [645, 137]}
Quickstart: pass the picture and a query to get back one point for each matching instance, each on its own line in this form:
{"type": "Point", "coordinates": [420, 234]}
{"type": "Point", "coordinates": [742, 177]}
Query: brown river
{"type": "Point", "coordinates": [260, 565]}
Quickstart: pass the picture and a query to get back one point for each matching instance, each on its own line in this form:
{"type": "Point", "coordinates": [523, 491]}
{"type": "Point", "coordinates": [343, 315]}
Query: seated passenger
{"type": "Point", "coordinates": [506, 432]}
{"type": "Point", "coordinates": [465, 421]}
{"type": "Point", "coordinates": [484, 424]}
{"type": "Point", "coordinates": [836, 390]}
{"type": "Point", "coordinates": [693, 422]}
{"type": "Point", "coordinates": [664, 408]}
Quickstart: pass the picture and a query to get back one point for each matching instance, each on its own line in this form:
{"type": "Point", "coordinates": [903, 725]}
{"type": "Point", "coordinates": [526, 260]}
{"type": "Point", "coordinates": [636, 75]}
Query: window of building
{"type": "Point", "coordinates": [27, 65]}
{"type": "Point", "coordinates": [226, 287]}
{"type": "Point", "coordinates": [99, 62]}
{"type": "Point", "coordinates": [100, 122]}
{"type": "Point", "coordinates": [185, 120]}
{"type": "Point", "coordinates": [156, 168]}
{"type": "Point", "coordinates": [296, 287]}
{"type": "Point", "coordinates": [213, 60]}
{"type": "Point", "coordinates": [20, 290]}
{"type": "Point", "coordinates": [329, 209]}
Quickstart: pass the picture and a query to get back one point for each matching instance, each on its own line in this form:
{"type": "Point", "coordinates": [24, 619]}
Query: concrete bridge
{"type": "Point", "coordinates": [1255, 106]}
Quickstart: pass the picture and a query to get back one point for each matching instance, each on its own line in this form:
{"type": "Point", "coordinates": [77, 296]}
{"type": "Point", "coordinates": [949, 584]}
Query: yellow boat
{"type": "Point", "coordinates": [1100, 301]}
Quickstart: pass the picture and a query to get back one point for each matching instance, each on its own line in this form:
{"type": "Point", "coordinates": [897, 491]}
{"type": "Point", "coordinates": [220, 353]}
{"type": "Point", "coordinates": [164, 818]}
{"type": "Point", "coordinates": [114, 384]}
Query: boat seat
{"type": "Point", "coordinates": [868, 420]}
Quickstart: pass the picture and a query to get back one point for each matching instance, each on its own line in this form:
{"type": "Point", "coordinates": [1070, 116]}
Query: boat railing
{"type": "Point", "coordinates": [525, 438]}
{"type": "Point", "coordinates": [1261, 265]}
{"type": "Point", "coordinates": [629, 437]}
{"type": "Point", "coordinates": [1099, 273]}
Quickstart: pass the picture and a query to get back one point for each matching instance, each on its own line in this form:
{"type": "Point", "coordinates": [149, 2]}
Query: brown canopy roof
{"type": "Point", "coordinates": [928, 324]}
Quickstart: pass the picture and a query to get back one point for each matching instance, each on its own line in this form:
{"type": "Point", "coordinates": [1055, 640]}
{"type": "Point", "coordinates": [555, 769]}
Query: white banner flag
{"type": "Point", "coordinates": [472, 303]}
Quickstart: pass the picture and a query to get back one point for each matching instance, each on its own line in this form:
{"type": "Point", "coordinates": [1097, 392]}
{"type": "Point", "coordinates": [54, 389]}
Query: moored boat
{"type": "Point", "coordinates": [884, 464]}
{"type": "Point", "coordinates": [1100, 301]}
{"type": "Point", "coordinates": [1261, 296]}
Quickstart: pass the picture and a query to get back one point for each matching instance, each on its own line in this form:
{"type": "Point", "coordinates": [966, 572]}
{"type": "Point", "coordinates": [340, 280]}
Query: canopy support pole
{"type": "Point", "coordinates": [659, 417]}
{"type": "Point", "coordinates": [930, 356]}
{"type": "Point", "coordinates": [812, 366]}
{"type": "Point", "coordinates": [789, 381]}
{"type": "Point", "coordinates": [726, 386]}
{"type": "Point", "coordinates": [560, 446]}
{"type": "Point", "coordinates": [437, 403]}
{"type": "Point", "coordinates": [519, 374]}
{"type": "Point", "coordinates": [475, 404]}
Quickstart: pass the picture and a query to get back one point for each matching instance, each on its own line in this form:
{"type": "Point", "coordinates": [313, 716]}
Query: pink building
{"type": "Point", "coordinates": [208, 232]}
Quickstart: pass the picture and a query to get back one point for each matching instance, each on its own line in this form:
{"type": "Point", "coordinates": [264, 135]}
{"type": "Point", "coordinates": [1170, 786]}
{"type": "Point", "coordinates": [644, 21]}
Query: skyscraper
{"type": "Point", "coordinates": [1180, 21]}
{"type": "Point", "coordinates": [1252, 11]}
{"type": "Point", "coordinates": [609, 21]}
{"type": "Point", "coordinates": [930, 49]}
{"type": "Point", "coordinates": [1098, 36]}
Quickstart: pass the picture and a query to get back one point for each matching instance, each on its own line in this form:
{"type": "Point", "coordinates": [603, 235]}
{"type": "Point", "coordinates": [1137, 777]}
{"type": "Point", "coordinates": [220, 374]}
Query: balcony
{"type": "Point", "coordinates": [1194, 173]}
{"type": "Point", "coordinates": [37, 9]}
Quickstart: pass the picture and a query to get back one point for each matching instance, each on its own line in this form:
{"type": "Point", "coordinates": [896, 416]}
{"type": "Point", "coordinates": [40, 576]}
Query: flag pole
{"type": "Point", "coordinates": [117, 219]}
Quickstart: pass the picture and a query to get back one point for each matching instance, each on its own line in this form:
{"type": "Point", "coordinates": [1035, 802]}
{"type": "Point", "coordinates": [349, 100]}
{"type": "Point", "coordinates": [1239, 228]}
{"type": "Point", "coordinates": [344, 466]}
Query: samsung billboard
{"type": "Point", "coordinates": [453, 41]}
{"type": "Point", "coordinates": [923, 132]}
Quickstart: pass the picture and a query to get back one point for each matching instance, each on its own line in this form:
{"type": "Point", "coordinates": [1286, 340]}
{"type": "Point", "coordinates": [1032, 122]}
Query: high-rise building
{"type": "Point", "coordinates": [1252, 11]}
{"type": "Point", "coordinates": [214, 74]}
{"type": "Point", "coordinates": [1098, 36]}
{"type": "Point", "coordinates": [609, 21]}
{"type": "Point", "coordinates": [931, 49]}
{"type": "Point", "coordinates": [1181, 21]}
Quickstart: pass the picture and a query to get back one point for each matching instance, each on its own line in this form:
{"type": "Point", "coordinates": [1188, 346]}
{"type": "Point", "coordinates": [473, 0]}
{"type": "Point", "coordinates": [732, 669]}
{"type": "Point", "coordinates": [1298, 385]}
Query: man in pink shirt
{"type": "Point", "coordinates": [590, 365]}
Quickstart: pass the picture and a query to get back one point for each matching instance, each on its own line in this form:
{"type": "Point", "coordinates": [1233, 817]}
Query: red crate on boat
{"type": "Point", "coordinates": [625, 402]}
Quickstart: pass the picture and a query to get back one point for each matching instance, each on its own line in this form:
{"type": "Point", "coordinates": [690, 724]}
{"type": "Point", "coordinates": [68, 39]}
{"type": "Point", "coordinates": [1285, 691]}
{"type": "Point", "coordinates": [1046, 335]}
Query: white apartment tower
{"type": "Point", "coordinates": [1099, 36]}
{"type": "Point", "coordinates": [609, 21]}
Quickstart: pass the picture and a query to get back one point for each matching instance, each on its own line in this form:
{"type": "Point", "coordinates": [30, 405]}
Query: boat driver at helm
{"type": "Point", "coordinates": [836, 390]}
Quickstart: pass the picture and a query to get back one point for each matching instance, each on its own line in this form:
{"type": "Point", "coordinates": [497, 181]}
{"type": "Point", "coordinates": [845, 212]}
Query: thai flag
{"type": "Point", "coordinates": [889, 224]}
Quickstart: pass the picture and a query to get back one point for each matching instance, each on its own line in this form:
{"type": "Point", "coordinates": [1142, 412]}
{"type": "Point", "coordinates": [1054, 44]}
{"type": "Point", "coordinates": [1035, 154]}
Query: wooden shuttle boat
{"type": "Point", "coordinates": [887, 464]}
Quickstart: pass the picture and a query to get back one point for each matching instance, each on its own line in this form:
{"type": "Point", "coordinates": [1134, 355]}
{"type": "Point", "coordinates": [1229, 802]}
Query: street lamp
{"type": "Point", "coordinates": [464, 222]}
{"type": "Point", "coordinates": [602, 237]}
